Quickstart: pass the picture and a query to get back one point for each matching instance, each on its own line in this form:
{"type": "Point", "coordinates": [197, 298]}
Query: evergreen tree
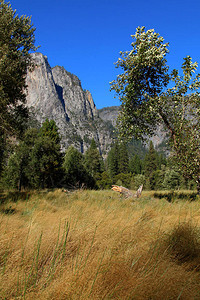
{"type": "Point", "coordinates": [15, 173]}
{"type": "Point", "coordinates": [76, 173]}
{"type": "Point", "coordinates": [93, 160]}
{"type": "Point", "coordinates": [50, 129]}
{"type": "Point", "coordinates": [123, 162]}
{"type": "Point", "coordinates": [45, 163]}
{"type": "Point", "coordinates": [135, 165]}
{"type": "Point", "coordinates": [36, 161]}
{"type": "Point", "coordinates": [113, 160]}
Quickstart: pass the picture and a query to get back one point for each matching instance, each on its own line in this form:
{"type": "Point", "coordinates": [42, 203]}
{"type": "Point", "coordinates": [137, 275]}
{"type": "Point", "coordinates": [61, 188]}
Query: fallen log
{"type": "Point", "coordinates": [122, 190]}
{"type": "Point", "coordinates": [126, 192]}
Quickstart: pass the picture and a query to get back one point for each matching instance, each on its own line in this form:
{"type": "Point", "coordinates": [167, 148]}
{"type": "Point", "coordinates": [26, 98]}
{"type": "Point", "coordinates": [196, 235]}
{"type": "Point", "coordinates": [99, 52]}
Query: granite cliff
{"type": "Point", "coordinates": [56, 94]}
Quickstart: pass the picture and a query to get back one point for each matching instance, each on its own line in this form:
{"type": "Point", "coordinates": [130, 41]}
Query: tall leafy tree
{"type": "Point", "coordinates": [16, 41]}
{"type": "Point", "coordinates": [139, 86]}
{"type": "Point", "coordinates": [146, 102]}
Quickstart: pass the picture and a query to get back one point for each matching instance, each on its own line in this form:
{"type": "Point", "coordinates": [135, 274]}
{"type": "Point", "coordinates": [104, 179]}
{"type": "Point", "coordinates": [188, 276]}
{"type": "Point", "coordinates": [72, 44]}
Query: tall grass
{"type": "Point", "coordinates": [97, 245]}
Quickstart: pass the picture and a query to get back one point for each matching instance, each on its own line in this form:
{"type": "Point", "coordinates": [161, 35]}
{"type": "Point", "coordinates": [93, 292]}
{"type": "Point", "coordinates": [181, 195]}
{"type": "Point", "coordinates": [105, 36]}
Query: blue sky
{"type": "Point", "coordinates": [86, 36]}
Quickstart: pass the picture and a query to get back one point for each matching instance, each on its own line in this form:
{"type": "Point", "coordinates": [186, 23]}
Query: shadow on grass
{"type": "Point", "coordinates": [14, 196]}
{"type": "Point", "coordinates": [172, 196]}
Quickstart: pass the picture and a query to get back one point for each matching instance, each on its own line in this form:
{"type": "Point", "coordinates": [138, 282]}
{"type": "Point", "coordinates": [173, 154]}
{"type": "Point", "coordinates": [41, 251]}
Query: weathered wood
{"type": "Point", "coordinates": [126, 192]}
{"type": "Point", "coordinates": [122, 190]}
{"type": "Point", "coordinates": [139, 191]}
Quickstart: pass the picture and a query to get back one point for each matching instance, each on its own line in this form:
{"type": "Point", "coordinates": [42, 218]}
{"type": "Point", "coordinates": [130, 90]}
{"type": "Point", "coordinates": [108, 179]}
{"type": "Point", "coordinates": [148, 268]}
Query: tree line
{"type": "Point", "coordinates": [37, 162]}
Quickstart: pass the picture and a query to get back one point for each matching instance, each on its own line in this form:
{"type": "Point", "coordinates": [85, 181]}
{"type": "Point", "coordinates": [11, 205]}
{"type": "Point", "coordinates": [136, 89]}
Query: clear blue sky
{"type": "Point", "coordinates": [86, 36]}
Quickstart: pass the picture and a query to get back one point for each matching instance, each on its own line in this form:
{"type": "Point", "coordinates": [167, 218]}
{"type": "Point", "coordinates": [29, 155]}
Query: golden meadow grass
{"type": "Point", "coordinates": [96, 245]}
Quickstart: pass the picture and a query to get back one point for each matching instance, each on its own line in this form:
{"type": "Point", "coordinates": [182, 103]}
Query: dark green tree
{"type": "Point", "coordinates": [123, 163]}
{"type": "Point", "coordinates": [45, 163]}
{"type": "Point", "coordinates": [16, 172]}
{"type": "Point", "coordinates": [45, 157]}
{"type": "Point", "coordinates": [93, 161]}
{"type": "Point", "coordinates": [36, 161]}
{"type": "Point", "coordinates": [135, 165]}
{"type": "Point", "coordinates": [50, 129]}
{"type": "Point", "coordinates": [16, 41]}
{"type": "Point", "coordinates": [113, 160]}
{"type": "Point", "coordinates": [76, 173]}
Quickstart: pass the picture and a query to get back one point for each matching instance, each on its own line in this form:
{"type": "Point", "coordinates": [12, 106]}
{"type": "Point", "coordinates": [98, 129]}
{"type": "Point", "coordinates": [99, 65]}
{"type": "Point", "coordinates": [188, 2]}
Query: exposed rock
{"type": "Point", "coordinates": [57, 94]}
{"type": "Point", "coordinates": [109, 114]}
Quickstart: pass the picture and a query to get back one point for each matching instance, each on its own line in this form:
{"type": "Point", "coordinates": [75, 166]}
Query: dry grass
{"type": "Point", "coordinates": [95, 245]}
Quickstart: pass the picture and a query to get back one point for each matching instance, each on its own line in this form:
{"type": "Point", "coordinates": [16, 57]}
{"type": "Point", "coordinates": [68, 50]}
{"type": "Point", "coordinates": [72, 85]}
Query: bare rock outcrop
{"type": "Point", "coordinates": [55, 93]}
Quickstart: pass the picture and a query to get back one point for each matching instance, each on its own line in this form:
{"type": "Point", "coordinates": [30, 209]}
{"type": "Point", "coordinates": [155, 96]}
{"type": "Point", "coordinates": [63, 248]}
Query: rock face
{"type": "Point", "coordinates": [109, 114]}
{"type": "Point", "coordinates": [56, 94]}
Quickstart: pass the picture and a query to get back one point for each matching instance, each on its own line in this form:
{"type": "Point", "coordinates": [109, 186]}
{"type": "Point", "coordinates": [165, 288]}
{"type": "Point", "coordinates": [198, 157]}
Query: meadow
{"type": "Point", "coordinates": [98, 245]}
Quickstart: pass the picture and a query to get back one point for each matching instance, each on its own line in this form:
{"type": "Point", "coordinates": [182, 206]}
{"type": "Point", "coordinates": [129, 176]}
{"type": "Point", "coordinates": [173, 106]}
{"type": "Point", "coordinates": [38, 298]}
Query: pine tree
{"type": "Point", "coordinates": [135, 165]}
{"type": "Point", "coordinates": [123, 163]}
{"type": "Point", "coordinates": [50, 129]}
{"type": "Point", "coordinates": [93, 160]}
{"type": "Point", "coordinates": [75, 171]}
{"type": "Point", "coordinates": [113, 160]}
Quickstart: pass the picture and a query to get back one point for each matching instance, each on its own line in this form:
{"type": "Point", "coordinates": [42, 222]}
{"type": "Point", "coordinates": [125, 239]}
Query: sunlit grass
{"type": "Point", "coordinates": [98, 245]}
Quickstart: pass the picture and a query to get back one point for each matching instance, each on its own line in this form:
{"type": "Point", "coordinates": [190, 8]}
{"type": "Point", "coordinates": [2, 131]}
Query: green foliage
{"type": "Point", "coordinates": [113, 160]}
{"type": "Point", "coordinates": [45, 163]}
{"type": "Point", "coordinates": [104, 182]}
{"type": "Point", "coordinates": [118, 159]}
{"type": "Point", "coordinates": [123, 163]}
{"type": "Point", "coordinates": [36, 161]}
{"type": "Point", "coordinates": [16, 41]}
{"type": "Point", "coordinates": [15, 174]}
{"type": "Point", "coordinates": [93, 161]}
{"type": "Point", "coordinates": [50, 129]}
{"type": "Point", "coordinates": [145, 75]}
{"type": "Point", "coordinates": [137, 180]}
{"type": "Point", "coordinates": [136, 147]}
{"type": "Point", "coordinates": [123, 179]}
{"type": "Point", "coordinates": [76, 173]}
{"type": "Point", "coordinates": [146, 102]}
{"type": "Point", "coordinates": [135, 165]}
